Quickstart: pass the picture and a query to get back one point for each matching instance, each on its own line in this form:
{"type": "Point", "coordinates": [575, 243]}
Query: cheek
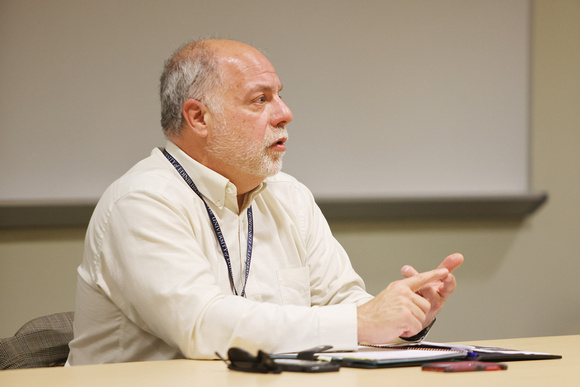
{"type": "Point", "coordinates": [255, 129]}
{"type": "Point", "coordinates": [251, 126]}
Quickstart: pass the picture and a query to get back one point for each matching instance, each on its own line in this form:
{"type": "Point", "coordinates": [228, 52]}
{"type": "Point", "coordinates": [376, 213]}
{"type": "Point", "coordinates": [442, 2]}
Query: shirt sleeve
{"type": "Point", "coordinates": [154, 270]}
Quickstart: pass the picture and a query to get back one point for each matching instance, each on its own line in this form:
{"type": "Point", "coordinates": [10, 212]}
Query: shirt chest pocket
{"type": "Point", "coordinates": [294, 286]}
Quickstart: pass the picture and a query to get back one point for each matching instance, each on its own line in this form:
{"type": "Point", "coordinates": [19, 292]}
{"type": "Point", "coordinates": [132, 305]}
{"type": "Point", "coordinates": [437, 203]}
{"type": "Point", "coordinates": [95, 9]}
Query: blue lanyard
{"type": "Point", "coordinates": [216, 226]}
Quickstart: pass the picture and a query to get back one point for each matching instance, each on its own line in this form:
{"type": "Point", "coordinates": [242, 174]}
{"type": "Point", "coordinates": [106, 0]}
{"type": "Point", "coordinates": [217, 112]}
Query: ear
{"type": "Point", "coordinates": [194, 114]}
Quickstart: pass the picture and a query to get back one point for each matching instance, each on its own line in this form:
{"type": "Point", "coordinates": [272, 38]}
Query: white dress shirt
{"type": "Point", "coordinates": [154, 284]}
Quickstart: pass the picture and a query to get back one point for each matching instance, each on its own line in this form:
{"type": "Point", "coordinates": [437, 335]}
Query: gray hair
{"type": "Point", "coordinates": [192, 72]}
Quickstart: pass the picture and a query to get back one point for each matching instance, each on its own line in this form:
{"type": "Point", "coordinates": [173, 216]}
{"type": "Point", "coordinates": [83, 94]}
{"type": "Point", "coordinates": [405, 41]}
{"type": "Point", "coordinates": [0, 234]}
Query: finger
{"type": "Point", "coordinates": [452, 262]}
{"type": "Point", "coordinates": [423, 305]}
{"type": "Point", "coordinates": [408, 271]}
{"type": "Point", "coordinates": [419, 309]}
{"type": "Point", "coordinates": [412, 328]}
{"type": "Point", "coordinates": [430, 291]}
{"type": "Point", "coordinates": [416, 282]}
{"type": "Point", "coordinates": [449, 285]}
{"type": "Point", "coordinates": [427, 291]}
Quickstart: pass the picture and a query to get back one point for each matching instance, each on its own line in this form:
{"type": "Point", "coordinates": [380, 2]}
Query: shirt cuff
{"type": "Point", "coordinates": [338, 327]}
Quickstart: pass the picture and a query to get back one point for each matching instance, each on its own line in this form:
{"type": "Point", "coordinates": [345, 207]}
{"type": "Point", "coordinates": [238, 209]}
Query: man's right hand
{"type": "Point", "coordinates": [398, 310]}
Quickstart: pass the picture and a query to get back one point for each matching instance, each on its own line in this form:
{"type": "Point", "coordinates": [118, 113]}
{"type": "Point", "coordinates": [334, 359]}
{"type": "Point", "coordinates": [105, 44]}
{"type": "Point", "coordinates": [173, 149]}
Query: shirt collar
{"type": "Point", "coordinates": [213, 186]}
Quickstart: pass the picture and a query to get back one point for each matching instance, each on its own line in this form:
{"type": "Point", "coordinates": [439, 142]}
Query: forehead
{"type": "Point", "coordinates": [248, 71]}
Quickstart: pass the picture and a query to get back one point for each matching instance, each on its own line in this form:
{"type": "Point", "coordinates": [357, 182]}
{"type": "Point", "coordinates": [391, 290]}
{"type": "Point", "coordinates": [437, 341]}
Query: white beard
{"type": "Point", "coordinates": [228, 145]}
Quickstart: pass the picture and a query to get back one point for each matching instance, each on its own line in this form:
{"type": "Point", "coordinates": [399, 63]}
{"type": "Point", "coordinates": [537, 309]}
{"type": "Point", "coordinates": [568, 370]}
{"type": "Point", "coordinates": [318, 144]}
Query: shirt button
{"type": "Point", "coordinates": [220, 204]}
{"type": "Point", "coordinates": [229, 190]}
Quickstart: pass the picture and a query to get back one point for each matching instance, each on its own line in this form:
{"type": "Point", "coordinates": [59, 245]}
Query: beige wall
{"type": "Point", "coordinates": [519, 279]}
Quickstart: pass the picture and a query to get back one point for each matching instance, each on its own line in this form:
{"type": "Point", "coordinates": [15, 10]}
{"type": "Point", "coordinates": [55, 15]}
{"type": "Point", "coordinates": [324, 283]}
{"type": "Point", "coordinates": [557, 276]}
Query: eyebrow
{"type": "Point", "coordinates": [264, 86]}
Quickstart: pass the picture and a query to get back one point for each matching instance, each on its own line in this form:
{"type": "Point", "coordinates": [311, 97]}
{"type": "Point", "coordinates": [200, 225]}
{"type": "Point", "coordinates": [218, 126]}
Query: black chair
{"type": "Point", "coordinates": [42, 342]}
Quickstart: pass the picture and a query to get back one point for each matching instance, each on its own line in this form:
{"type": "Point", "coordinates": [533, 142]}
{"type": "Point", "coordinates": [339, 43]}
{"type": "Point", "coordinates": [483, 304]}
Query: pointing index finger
{"type": "Point", "coordinates": [418, 281]}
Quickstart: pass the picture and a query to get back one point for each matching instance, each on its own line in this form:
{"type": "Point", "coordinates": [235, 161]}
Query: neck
{"type": "Point", "coordinates": [241, 199]}
{"type": "Point", "coordinates": [244, 182]}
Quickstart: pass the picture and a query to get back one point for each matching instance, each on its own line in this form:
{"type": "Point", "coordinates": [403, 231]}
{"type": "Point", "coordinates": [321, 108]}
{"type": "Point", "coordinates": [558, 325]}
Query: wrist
{"type": "Point", "coordinates": [421, 335]}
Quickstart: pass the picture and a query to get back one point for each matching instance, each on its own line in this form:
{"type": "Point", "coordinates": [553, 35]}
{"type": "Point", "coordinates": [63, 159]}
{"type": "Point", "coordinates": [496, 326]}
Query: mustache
{"type": "Point", "coordinates": [279, 135]}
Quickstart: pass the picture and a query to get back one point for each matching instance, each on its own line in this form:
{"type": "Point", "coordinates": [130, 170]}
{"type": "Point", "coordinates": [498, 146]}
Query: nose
{"type": "Point", "coordinates": [283, 114]}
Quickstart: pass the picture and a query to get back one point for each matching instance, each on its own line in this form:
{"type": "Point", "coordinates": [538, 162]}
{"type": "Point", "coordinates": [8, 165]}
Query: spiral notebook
{"type": "Point", "coordinates": [383, 357]}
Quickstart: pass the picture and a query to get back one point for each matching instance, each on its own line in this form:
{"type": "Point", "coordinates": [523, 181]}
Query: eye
{"type": "Point", "coordinates": [260, 99]}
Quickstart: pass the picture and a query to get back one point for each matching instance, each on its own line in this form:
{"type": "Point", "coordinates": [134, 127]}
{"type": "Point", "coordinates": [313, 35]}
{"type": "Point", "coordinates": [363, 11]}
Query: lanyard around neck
{"type": "Point", "coordinates": [216, 227]}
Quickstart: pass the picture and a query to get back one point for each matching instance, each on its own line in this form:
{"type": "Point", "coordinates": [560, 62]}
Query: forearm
{"type": "Point", "coordinates": [234, 321]}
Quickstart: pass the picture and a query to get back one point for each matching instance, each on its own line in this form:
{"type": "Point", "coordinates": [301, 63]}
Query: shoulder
{"type": "Point", "coordinates": [291, 197]}
{"type": "Point", "coordinates": [153, 174]}
{"type": "Point", "coordinates": [152, 177]}
{"type": "Point", "coordinates": [284, 184]}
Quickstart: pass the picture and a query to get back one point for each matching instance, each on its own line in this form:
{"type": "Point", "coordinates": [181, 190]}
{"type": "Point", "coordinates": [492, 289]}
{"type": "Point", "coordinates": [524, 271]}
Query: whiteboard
{"type": "Point", "coordinates": [390, 98]}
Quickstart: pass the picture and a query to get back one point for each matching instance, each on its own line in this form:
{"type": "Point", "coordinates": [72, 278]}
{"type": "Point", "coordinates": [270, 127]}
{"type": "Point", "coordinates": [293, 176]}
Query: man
{"type": "Point", "coordinates": [205, 245]}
